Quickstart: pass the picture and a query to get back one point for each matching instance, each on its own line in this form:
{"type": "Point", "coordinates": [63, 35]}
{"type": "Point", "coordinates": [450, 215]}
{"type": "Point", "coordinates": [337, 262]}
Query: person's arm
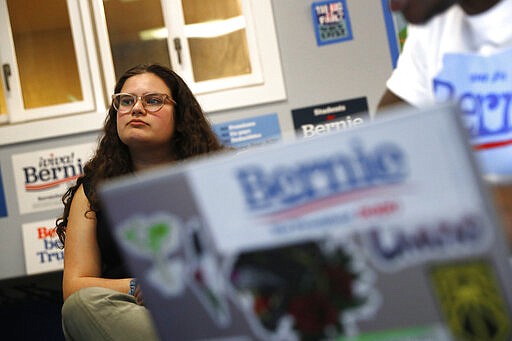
{"type": "Point", "coordinates": [82, 261]}
{"type": "Point", "coordinates": [389, 99]}
{"type": "Point", "coordinates": [410, 81]}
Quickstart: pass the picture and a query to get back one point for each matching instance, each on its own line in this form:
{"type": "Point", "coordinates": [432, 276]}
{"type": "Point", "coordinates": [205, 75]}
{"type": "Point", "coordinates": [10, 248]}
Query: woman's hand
{"type": "Point", "coordinates": [139, 298]}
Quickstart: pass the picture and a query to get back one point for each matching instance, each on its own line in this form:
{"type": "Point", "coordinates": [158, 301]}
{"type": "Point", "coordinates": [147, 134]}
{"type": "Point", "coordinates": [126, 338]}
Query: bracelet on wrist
{"type": "Point", "coordinates": [133, 285]}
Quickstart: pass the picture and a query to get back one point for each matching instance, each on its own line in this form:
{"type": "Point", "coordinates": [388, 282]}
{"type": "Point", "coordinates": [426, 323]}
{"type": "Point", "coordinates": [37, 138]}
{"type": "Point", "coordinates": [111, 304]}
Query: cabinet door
{"type": "Point", "coordinates": [230, 56]}
{"type": "Point", "coordinates": [44, 49]}
{"type": "Point", "coordinates": [130, 33]}
{"type": "Point", "coordinates": [219, 47]}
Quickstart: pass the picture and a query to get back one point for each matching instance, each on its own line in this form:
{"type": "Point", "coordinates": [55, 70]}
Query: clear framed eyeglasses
{"type": "Point", "coordinates": [124, 102]}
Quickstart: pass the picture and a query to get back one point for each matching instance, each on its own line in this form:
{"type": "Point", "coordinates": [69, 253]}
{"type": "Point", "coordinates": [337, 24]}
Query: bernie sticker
{"type": "Point", "coordinates": [471, 301]}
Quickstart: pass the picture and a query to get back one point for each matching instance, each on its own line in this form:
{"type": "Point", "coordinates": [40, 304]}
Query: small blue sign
{"type": "Point", "coordinates": [3, 206]}
{"type": "Point", "coordinates": [249, 132]}
{"type": "Point", "coordinates": [331, 21]}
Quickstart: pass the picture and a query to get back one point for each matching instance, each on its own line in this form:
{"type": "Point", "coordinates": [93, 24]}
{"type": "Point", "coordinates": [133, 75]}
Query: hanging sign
{"type": "Point", "coordinates": [42, 177]}
{"type": "Point", "coordinates": [43, 249]}
{"type": "Point", "coordinates": [328, 117]}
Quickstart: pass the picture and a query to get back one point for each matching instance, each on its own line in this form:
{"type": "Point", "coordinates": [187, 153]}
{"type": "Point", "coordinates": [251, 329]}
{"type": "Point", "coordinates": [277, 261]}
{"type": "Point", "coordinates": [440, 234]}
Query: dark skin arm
{"type": "Point", "coordinates": [139, 298]}
{"type": "Point", "coordinates": [388, 99]}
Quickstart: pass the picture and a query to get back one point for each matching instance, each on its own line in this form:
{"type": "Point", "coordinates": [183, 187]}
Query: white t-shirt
{"type": "Point", "coordinates": [466, 60]}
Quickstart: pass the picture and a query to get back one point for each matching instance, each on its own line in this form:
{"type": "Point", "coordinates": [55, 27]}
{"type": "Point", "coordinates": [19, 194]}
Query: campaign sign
{"type": "Point", "coordinates": [310, 239]}
{"type": "Point", "coordinates": [3, 205]}
{"type": "Point", "coordinates": [331, 21]}
{"type": "Point", "coordinates": [339, 183]}
{"type": "Point", "coordinates": [480, 85]}
{"type": "Point", "coordinates": [42, 177]}
{"type": "Point", "coordinates": [329, 117]}
{"type": "Point", "coordinates": [42, 247]}
{"type": "Point", "coordinates": [249, 132]}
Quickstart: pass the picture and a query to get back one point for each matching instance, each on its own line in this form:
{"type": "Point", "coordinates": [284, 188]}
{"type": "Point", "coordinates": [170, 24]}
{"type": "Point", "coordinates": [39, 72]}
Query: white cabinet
{"type": "Point", "coordinates": [44, 56]}
{"type": "Point", "coordinates": [60, 58]}
{"type": "Point", "coordinates": [226, 50]}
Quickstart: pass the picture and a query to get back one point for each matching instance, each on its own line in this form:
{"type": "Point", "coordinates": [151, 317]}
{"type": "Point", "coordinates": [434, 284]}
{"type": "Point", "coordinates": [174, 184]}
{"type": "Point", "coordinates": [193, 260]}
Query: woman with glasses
{"type": "Point", "coordinates": [154, 120]}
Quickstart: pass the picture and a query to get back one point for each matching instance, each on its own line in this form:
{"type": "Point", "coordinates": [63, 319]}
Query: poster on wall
{"type": "Point", "coordinates": [331, 21]}
{"type": "Point", "coordinates": [249, 132]}
{"type": "Point", "coordinates": [3, 204]}
{"type": "Point", "coordinates": [42, 248]}
{"type": "Point", "coordinates": [43, 176]}
{"type": "Point", "coordinates": [329, 117]}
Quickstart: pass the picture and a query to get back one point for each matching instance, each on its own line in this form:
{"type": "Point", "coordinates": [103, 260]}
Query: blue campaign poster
{"type": "Point", "coordinates": [331, 21]}
{"type": "Point", "coordinates": [3, 206]}
{"type": "Point", "coordinates": [249, 132]}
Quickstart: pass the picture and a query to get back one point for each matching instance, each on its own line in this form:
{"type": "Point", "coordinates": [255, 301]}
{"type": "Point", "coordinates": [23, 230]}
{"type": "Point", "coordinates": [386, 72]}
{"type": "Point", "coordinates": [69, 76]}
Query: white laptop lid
{"type": "Point", "coordinates": [382, 231]}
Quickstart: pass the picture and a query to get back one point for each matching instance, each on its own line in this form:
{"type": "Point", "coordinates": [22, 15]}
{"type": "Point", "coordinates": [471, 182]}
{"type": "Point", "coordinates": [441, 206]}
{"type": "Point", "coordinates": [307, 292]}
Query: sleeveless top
{"type": "Point", "coordinates": [112, 265]}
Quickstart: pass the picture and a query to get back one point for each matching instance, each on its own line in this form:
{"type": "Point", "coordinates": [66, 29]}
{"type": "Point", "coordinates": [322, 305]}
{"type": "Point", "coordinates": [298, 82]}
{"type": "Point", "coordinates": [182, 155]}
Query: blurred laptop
{"type": "Point", "coordinates": [381, 232]}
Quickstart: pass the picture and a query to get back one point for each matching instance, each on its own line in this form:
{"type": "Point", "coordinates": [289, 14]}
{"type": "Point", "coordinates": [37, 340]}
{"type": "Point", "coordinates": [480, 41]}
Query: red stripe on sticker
{"type": "Point", "coordinates": [49, 184]}
{"type": "Point", "coordinates": [491, 145]}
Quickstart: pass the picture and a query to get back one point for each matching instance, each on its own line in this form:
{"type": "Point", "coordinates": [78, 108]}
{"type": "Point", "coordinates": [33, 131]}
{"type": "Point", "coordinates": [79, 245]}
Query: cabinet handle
{"type": "Point", "coordinates": [7, 73]}
{"type": "Point", "coordinates": [177, 47]}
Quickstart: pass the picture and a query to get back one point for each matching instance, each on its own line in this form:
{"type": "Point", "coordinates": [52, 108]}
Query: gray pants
{"type": "Point", "coordinates": [104, 314]}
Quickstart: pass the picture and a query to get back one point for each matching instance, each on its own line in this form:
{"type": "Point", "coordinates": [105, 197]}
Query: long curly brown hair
{"type": "Point", "coordinates": [192, 136]}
